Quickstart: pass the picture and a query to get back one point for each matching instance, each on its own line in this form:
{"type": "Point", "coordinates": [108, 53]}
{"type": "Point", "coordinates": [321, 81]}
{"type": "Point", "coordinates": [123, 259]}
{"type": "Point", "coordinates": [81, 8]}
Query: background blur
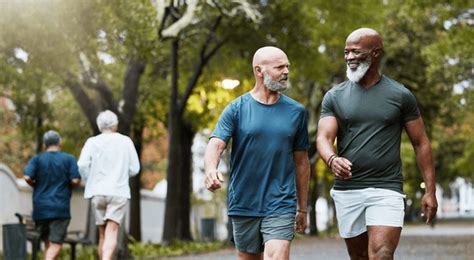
{"type": "Point", "coordinates": [168, 69]}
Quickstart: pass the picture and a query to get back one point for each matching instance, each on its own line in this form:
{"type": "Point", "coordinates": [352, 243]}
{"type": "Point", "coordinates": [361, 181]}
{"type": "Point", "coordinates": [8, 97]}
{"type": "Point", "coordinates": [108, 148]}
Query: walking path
{"type": "Point", "coordinates": [451, 240]}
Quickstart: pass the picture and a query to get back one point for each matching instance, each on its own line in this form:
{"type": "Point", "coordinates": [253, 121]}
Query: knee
{"type": "Point", "coordinates": [381, 252]}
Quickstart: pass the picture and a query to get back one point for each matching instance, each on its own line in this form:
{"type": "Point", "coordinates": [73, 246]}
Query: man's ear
{"type": "Point", "coordinates": [377, 52]}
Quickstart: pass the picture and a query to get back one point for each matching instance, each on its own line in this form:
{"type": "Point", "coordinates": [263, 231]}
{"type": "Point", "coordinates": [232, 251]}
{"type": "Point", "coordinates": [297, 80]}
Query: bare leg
{"type": "Point", "coordinates": [52, 250]}
{"type": "Point", "coordinates": [248, 256]}
{"type": "Point", "coordinates": [357, 247]}
{"type": "Point", "coordinates": [101, 240]}
{"type": "Point", "coordinates": [277, 249]}
{"type": "Point", "coordinates": [110, 242]}
{"type": "Point", "coordinates": [383, 241]}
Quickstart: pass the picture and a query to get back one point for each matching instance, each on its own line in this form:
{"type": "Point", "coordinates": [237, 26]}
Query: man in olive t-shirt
{"type": "Point", "coordinates": [367, 114]}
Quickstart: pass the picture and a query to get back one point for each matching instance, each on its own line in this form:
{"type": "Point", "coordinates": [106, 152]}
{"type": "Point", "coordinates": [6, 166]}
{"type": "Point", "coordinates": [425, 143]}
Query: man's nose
{"type": "Point", "coordinates": [350, 56]}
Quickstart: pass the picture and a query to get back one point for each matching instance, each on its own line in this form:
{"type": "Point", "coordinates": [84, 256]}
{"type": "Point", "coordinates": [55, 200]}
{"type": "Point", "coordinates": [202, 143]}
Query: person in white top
{"type": "Point", "coordinates": [106, 163]}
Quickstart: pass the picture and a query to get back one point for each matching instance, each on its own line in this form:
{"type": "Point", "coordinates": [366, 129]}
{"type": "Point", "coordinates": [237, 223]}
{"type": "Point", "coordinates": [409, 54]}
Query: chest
{"type": "Point", "coordinates": [373, 106]}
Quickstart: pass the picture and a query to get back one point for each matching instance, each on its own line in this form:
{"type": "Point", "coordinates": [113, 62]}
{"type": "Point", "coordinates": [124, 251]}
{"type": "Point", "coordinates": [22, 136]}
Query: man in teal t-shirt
{"type": "Point", "coordinates": [367, 114]}
{"type": "Point", "coordinates": [52, 174]}
{"type": "Point", "coordinates": [267, 190]}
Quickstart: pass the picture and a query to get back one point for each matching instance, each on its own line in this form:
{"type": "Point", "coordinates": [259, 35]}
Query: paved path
{"type": "Point", "coordinates": [448, 240]}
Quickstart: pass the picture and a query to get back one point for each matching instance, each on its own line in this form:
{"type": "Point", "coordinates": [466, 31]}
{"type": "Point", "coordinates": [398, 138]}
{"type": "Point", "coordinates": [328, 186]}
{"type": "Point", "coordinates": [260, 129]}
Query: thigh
{"type": "Point", "coordinates": [383, 241]}
{"type": "Point", "coordinates": [350, 212]}
{"type": "Point", "coordinates": [246, 233]}
{"type": "Point", "coordinates": [116, 208]}
{"type": "Point", "coordinates": [58, 230]}
{"type": "Point", "coordinates": [357, 247]}
{"type": "Point", "coordinates": [99, 205]}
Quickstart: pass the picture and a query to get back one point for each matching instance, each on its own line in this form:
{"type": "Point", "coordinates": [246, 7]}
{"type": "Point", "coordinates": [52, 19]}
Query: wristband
{"type": "Point", "coordinates": [302, 211]}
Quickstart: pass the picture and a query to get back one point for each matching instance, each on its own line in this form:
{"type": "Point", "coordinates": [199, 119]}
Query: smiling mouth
{"type": "Point", "coordinates": [353, 65]}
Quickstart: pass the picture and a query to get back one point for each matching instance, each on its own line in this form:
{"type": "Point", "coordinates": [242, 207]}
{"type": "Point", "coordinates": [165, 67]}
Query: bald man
{"type": "Point", "coordinates": [268, 183]}
{"type": "Point", "coordinates": [367, 114]}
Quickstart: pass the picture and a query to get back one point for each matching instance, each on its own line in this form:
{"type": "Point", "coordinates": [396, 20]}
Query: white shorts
{"type": "Point", "coordinates": [357, 209]}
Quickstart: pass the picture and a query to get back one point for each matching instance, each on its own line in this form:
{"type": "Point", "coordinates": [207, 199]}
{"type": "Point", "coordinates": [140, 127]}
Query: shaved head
{"type": "Point", "coordinates": [367, 36]}
{"type": "Point", "coordinates": [267, 55]}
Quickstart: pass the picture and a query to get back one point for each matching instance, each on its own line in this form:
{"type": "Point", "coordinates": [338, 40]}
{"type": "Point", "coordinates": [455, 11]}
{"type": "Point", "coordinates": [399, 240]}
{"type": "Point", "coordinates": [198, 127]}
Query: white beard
{"type": "Point", "coordinates": [359, 73]}
{"type": "Point", "coordinates": [275, 85]}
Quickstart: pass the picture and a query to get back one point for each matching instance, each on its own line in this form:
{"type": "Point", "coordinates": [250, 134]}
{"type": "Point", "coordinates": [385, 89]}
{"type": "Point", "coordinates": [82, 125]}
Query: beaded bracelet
{"type": "Point", "coordinates": [331, 158]}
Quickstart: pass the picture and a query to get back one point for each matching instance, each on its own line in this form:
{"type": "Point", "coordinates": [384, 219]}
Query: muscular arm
{"type": "Point", "coordinates": [417, 134]}
{"type": "Point", "coordinates": [327, 132]}
{"type": "Point", "coordinates": [214, 150]}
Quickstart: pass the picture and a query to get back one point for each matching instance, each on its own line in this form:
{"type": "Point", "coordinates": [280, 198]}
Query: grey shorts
{"type": "Point", "coordinates": [109, 208]}
{"type": "Point", "coordinates": [251, 233]}
{"type": "Point", "coordinates": [53, 230]}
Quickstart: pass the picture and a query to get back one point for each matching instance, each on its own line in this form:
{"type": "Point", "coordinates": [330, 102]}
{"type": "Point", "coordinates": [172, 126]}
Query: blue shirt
{"type": "Point", "coordinates": [52, 172]}
{"type": "Point", "coordinates": [264, 137]}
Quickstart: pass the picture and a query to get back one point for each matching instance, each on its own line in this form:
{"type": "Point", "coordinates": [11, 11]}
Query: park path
{"type": "Point", "coordinates": [448, 240]}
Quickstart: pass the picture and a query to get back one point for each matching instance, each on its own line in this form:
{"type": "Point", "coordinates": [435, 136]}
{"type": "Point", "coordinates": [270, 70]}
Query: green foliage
{"type": "Point", "coordinates": [144, 250]}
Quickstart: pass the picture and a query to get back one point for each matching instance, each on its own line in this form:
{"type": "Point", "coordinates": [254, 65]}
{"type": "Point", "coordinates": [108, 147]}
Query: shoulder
{"type": "Point", "coordinates": [341, 87]}
{"type": "Point", "coordinates": [291, 102]}
{"type": "Point", "coordinates": [396, 86]}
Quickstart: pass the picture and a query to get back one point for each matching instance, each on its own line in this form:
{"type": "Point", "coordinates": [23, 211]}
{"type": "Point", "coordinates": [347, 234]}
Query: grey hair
{"type": "Point", "coordinates": [51, 138]}
{"type": "Point", "coordinates": [107, 120]}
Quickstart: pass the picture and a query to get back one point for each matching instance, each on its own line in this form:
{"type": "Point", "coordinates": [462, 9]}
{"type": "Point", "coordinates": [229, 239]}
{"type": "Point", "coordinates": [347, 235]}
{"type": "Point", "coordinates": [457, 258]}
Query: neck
{"type": "Point", "coordinates": [264, 95]}
{"type": "Point", "coordinates": [371, 78]}
{"type": "Point", "coordinates": [53, 148]}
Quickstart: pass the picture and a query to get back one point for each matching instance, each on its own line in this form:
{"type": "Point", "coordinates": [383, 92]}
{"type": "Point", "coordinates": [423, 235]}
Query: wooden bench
{"type": "Point", "coordinates": [73, 238]}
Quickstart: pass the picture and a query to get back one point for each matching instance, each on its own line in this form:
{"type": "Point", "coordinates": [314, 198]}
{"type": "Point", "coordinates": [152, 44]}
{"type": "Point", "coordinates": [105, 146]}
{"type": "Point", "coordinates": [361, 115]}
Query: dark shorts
{"type": "Point", "coordinates": [251, 233]}
{"type": "Point", "coordinates": [53, 230]}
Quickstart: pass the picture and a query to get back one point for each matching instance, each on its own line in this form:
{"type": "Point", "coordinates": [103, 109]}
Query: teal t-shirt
{"type": "Point", "coordinates": [370, 122]}
{"type": "Point", "coordinates": [262, 169]}
{"type": "Point", "coordinates": [52, 172]}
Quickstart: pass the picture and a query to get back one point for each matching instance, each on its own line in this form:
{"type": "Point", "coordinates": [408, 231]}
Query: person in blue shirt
{"type": "Point", "coordinates": [269, 168]}
{"type": "Point", "coordinates": [52, 174]}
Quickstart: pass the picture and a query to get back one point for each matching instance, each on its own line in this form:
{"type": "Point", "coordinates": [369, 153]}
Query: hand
{"type": "Point", "coordinates": [341, 167]}
{"type": "Point", "coordinates": [429, 206]}
{"type": "Point", "coordinates": [300, 222]}
{"type": "Point", "coordinates": [213, 180]}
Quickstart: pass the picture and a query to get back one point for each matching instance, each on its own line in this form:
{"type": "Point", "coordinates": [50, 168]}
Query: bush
{"type": "Point", "coordinates": [143, 250]}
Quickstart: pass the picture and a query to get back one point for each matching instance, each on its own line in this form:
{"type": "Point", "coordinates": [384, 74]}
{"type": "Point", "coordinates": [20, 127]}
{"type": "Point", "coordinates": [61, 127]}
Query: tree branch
{"type": "Point", "coordinates": [87, 105]}
{"type": "Point", "coordinates": [204, 57]}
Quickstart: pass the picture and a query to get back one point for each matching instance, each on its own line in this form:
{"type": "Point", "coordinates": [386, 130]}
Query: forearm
{"type": "Point", "coordinates": [302, 179]}
{"type": "Point", "coordinates": [425, 163]}
{"type": "Point", "coordinates": [212, 155]}
{"type": "Point", "coordinates": [325, 147]}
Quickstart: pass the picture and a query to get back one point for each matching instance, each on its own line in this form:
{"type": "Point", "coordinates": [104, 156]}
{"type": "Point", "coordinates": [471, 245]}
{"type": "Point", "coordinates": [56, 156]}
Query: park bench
{"type": "Point", "coordinates": [73, 238]}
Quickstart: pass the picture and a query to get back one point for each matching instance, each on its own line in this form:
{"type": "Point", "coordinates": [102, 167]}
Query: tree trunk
{"type": "Point", "coordinates": [135, 208]}
{"type": "Point", "coordinates": [178, 197]}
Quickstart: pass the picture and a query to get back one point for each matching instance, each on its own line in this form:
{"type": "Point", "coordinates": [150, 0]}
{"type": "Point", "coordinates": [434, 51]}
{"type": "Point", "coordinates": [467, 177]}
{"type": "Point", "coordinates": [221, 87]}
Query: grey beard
{"type": "Point", "coordinates": [275, 85]}
{"type": "Point", "coordinates": [356, 76]}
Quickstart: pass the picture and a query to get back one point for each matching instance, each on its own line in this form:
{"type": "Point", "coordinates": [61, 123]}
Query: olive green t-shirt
{"type": "Point", "coordinates": [370, 122]}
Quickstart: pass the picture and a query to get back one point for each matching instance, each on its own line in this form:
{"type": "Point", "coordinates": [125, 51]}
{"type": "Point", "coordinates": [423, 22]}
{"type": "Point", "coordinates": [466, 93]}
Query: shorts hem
{"type": "Point", "coordinates": [353, 234]}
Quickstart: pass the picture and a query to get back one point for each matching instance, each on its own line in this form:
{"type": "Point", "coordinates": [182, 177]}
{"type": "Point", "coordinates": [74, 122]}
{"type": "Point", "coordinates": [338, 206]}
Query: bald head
{"type": "Point", "coordinates": [368, 37]}
{"type": "Point", "coordinates": [266, 55]}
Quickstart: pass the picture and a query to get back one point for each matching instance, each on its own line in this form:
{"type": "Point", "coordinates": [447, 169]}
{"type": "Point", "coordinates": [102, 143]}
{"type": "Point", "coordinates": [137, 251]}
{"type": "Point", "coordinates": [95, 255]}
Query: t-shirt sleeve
{"type": "Point", "coordinates": [327, 106]}
{"type": "Point", "coordinates": [31, 167]}
{"type": "Point", "coordinates": [85, 160]}
{"type": "Point", "coordinates": [134, 166]}
{"type": "Point", "coordinates": [410, 109]}
{"type": "Point", "coordinates": [226, 124]}
{"type": "Point", "coordinates": [73, 169]}
{"type": "Point", "coordinates": [302, 139]}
